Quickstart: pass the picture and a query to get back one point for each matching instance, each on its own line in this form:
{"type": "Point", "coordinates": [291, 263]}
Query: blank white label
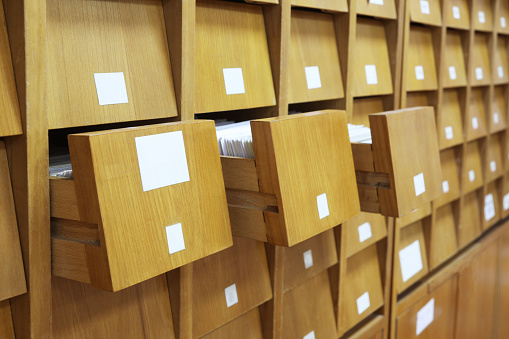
{"type": "Point", "coordinates": [445, 186]}
{"type": "Point", "coordinates": [363, 302]}
{"type": "Point", "coordinates": [310, 335]}
{"type": "Point", "coordinates": [111, 88]}
{"type": "Point", "coordinates": [162, 160]}
{"type": "Point", "coordinates": [230, 294]}
{"type": "Point", "coordinates": [449, 133]}
{"type": "Point", "coordinates": [377, 2]}
{"type": "Point", "coordinates": [419, 71]}
{"type": "Point", "coordinates": [493, 165]}
{"type": "Point", "coordinates": [410, 260]}
{"type": "Point", "coordinates": [313, 77]}
{"type": "Point", "coordinates": [425, 7]}
{"type": "Point", "coordinates": [478, 73]}
{"type": "Point", "coordinates": [425, 316]}
{"type": "Point", "coordinates": [475, 123]}
{"type": "Point", "coordinates": [500, 71]}
{"type": "Point", "coordinates": [364, 232]}
{"type": "Point", "coordinates": [419, 186]}
{"type": "Point", "coordinates": [371, 78]}
{"type": "Point", "coordinates": [233, 81]}
{"type": "Point", "coordinates": [471, 175]}
{"type": "Point", "coordinates": [506, 202]}
{"type": "Point", "coordinates": [452, 72]}
{"type": "Point", "coordinates": [308, 259]}
{"type": "Point", "coordinates": [482, 17]}
{"type": "Point", "coordinates": [502, 22]}
{"type": "Point", "coordinates": [323, 206]}
{"type": "Point", "coordinates": [175, 238]}
{"type": "Point", "coordinates": [495, 118]}
{"type": "Point", "coordinates": [489, 207]}
{"type": "Point", "coordinates": [456, 12]}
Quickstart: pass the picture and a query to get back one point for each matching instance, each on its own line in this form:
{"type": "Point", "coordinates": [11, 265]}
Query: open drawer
{"type": "Point", "coordinates": [311, 149]}
{"type": "Point", "coordinates": [400, 170]}
{"type": "Point", "coordinates": [143, 201]}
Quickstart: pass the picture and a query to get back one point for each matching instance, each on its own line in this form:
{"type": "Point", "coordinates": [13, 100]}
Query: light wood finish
{"type": "Point", "coordinates": [450, 173]}
{"type": "Point", "coordinates": [502, 12]}
{"type": "Point", "coordinates": [11, 262]}
{"type": "Point", "coordinates": [502, 328]}
{"type": "Point", "coordinates": [323, 252]}
{"type": "Point", "coordinates": [420, 54]}
{"type": "Point", "coordinates": [351, 230]}
{"type": "Point", "coordinates": [470, 226]}
{"type": "Point", "coordinates": [492, 188]}
{"type": "Point", "coordinates": [6, 327]}
{"type": "Point", "coordinates": [371, 49]}
{"type": "Point", "coordinates": [463, 22]}
{"type": "Point", "coordinates": [324, 5]}
{"type": "Point", "coordinates": [387, 10]}
{"type": "Point", "coordinates": [231, 35]}
{"type": "Point", "coordinates": [441, 240]}
{"type": "Point", "coordinates": [454, 57]}
{"type": "Point", "coordinates": [481, 59]}
{"type": "Point", "coordinates": [245, 265]}
{"type": "Point", "coordinates": [501, 63]}
{"type": "Point", "coordinates": [141, 311]}
{"type": "Point", "coordinates": [313, 43]}
{"type": "Point", "coordinates": [112, 261]}
{"type": "Point", "coordinates": [248, 324]}
{"type": "Point", "coordinates": [416, 215]}
{"type": "Point", "coordinates": [114, 36]}
{"type": "Point", "coordinates": [476, 120]}
{"type": "Point", "coordinates": [486, 7]}
{"type": "Point", "coordinates": [416, 99]}
{"type": "Point", "coordinates": [307, 308]}
{"type": "Point", "coordinates": [363, 107]}
{"type": "Point", "coordinates": [494, 157]}
{"type": "Point", "coordinates": [451, 117]}
{"type": "Point", "coordinates": [498, 118]}
{"type": "Point", "coordinates": [472, 168]}
{"type": "Point", "coordinates": [433, 17]}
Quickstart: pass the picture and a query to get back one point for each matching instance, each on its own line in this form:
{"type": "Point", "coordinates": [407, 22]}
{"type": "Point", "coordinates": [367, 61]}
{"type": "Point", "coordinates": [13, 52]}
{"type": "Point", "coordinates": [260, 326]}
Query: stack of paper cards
{"type": "Point", "coordinates": [60, 166]}
{"type": "Point", "coordinates": [235, 139]}
{"type": "Point", "coordinates": [359, 134]}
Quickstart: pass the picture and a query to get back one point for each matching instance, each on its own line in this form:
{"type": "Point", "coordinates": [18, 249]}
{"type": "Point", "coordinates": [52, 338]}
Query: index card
{"type": "Point", "coordinates": [308, 259]}
{"type": "Point", "coordinates": [313, 77]}
{"type": "Point", "coordinates": [502, 22]}
{"type": "Point", "coordinates": [111, 88]}
{"type": "Point", "coordinates": [377, 2]}
{"type": "Point", "coordinates": [419, 186]}
{"type": "Point", "coordinates": [323, 206]}
{"type": "Point", "coordinates": [500, 71]}
{"type": "Point", "coordinates": [364, 232]}
{"type": "Point", "coordinates": [310, 335]}
{"type": "Point", "coordinates": [475, 123]}
{"type": "Point", "coordinates": [471, 175]}
{"type": "Point", "coordinates": [371, 77]}
{"type": "Point", "coordinates": [410, 260]}
{"type": "Point", "coordinates": [233, 81]}
{"type": "Point", "coordinates": [425, 7]}
{"type": "Point", "coordinates": [230, 294]}
{"type": "Point", "coordinates": [449, 133]}
{"type": "Point", "coordinates": [445, 186]}
{"type": "Point", "coordinates": [175, 238]}
{"type": "Point", "coordinates": [506, 202]}
{"type": "Point", "coordinates": [478, 73]}
{"type": "Point", "coordinates": [419, 71]}
{"type": "Point", "coordinates": [425, 316]}
{"type": "Point", "coordinates": [452, 72]}
{"type": "Point", "coordinates": [482, 17]}
{"type": "Point", "coordinates": [493, 166]}
{"type": "Point", "coordinates": [456, 12]}
{"type": "Point", "coordinates": [162, 160]}
{"type": "Point", "coordinates": [489, 207]}
{"type": "Point", "coordinates": [363, 302]}
{"type": "Point", "coordinates": [495, 117]}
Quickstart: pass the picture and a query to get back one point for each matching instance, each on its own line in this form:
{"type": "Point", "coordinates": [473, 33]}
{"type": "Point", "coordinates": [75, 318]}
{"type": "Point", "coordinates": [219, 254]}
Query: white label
{"type": "Point", "coordinates": [323, 206]}
{"type": "Point", "coordinates": [162, 160]}
{"type": "Point", "coordinates": [471, 175]}
{"type": "Point", "coordinates": [111, 88]}
{"type": "Point", "coordinates": [419, 71]}
{"type": "Point", "coordinates": [313, 77]}
{"type": "Point", "coordinates": [230, 294]}
{"type": "Point", "coordinates": [452, 72]}
{"type": "Point", "coordinates": [377, 2]}
{"type": "Point", "coordinates": [502, 22]}
{"type": "Point", "coordinates": [310, 335]}
{"type": "Point", "coordinates": [363, 302]}
{"type": "Point", "coordinates": [425, 7]}
{"type": "Point", "coordinates": [449, 133]}
{"type": "Point", "coordinates": [506, 202]}
{"type": "Point", "coordinates": [500, 71]}
{"type": "Point", "coordinates": [482, 17]}
{"type": "Point", "coordinates": [175, 238]}
{"type": "Point", "coordinates": [233, 81]}
{"type": "Point", "coordinates": [308, 259]}
{"type": "Point", "coordinates": [410, 260]}
{"type": "Point", "coordinates": [493, 165]}
{"type": "Point", "coordinates": [475, 123]}
{"type": "Point", "coordinates": [445, 186]}
{"type": "Point", "coordinates": [495, 118]}
{"type": "Point", "coordinates": [478, 73]}
{"type": "Point", "coordinates": [371, 78]}
{"type": "Point", "coordinates": [425, 316]}
{"type": "Point", "coordinates": [364, 232]}
{"type": "Point", "coordinates": [419, 186]}
{"type": "Point", "coordinates": [489, 207]}
{"type": "Point", "coordinates": [456, 12]}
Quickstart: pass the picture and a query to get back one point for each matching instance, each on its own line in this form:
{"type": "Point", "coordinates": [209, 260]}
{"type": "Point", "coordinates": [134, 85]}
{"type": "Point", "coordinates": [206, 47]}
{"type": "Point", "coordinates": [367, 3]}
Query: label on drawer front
{"type": "Point", "coordinates": [175, 238]}
{"type": "Point", "coordinates": [445, 186]}
{"type": "Point", "coordinates": [419, 186]}
{"type": "Point", "coordinates": [425, 7]}
{"type": "Point", "coordinates": [495, 118]}
{"type": "Point", "coordinates": [233, 81]}
{"type": "Point", "coordinates": [475, 123]}
{"type": "Point", "coordinates": [230, 294]}
{"type": "Point", "coordinates": [410, 260]}
{"type": "Point", "coordinates": [377, 2]}
{"type": "Point", "coordinates": [371, 78]}
{"type": "Point", "coordinates": [364, 232]}
{"type": "Point", "coordinates": [313, 77]}
{"type": "Point", "coordinates": [481, 16]}
{"type": "Point", "coordinates": [452, 72]}
{"type": "Point", "coordinates": [308, 259]}
{"type": "Point", "coordinates": [471, 175]}
{"type": "Point", "coordinates": [456, 12]}
{"type": "Point", "coordinates": [502, 22]}
{"type": "Point", "coordinates": [478, 73]}
{"type": "Point", "coordinates": [500, 71]}
{"type": "Point", "coordinates": [425, 316]}
{"type": "Point", "coordinates": [506, 202]}
{"type": "Point", "coordinates": [493, 165]}
{"type": "Point", "coordinates": [363, 302]}
{"type": "Point", "coordinates": [489, 207]}
{"type": "Point", "coordinates": [419, 72]}
{"type": "Point", "coordinates": [323, 206]}
{"type": "Point", "coordinates": [162, 160]}
{"type": "Point", "coordinates": [310, 335]}
{"type": "Point", "coordinates": [111, 88]}
{"type": "Point", "coordinates": [449, 133]}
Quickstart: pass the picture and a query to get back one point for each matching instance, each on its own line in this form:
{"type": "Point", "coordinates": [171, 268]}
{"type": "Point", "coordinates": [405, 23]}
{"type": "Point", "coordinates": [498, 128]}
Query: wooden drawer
{"type": "Point", "coordinates": [416, 215]}
{"type": "Point", "coordinates": [472, 173]}
{"type": "Point", "coordinates": [428, 12]}
{"type": "Point", "coordinates": [442, 234]}
{"type": "Point", "coordinates": [380, 9]}
{"type": "Point", "coordinates": [470, 225]}
{"type": "Point", "coordinates": [6, 325]}
{"type": "Point", "coordinates": [457, 14]}
{"type": "Point", "coordinates": [122, 46]}
{"type": "Point", "coordinates": [494, 157]}
{"type": "Point", "coordinates": [450, 119]}
{"type": "Point", "coordinates": [501, 66]}
{"type": "Point", "coordinates": [421, 74]}
{"type": "Point", "coordinates": [455, 72]}
{"type": "Point", "coordinates": [450, 176]}
{"type": "Point", "coordinates": [476, 119]}
{"type": "Point", "coordinates": [232, 66]}
{"type": "Point", "coordinates": [502, 17]}
{"type": "Point", "coordinates": [400, 170]}
{"type": "Point", "coordinates": [228, 284]}
{"type": "Point", "coordinates": [315, 72]}
{"type": "Point", "coordinates": [248, 325]}
{"type": "Point", "coordinates": [492, 210]}
{"type": "Point", "coordinates": [310, 148]}
{"type": "Point", "coordinates": [481, 60]}
{"type": "Point", "coordinates": [325, 5]}
{"type": "Point", "coordinates": [498, 117]}
{"type": "Point", "coordinates": [483, 18]}
{"type": "Point", "coordinates": [121, 183]}
{"type": "Point", "coordinates": [363, 231]}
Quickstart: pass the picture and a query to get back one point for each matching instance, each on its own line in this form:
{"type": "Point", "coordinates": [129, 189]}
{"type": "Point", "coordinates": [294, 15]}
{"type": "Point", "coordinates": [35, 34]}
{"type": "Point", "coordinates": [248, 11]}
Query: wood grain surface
{"type": "Point", "coordinates": [451, 116]}
{"type": "Point", "coordinates": [472, 162]}
{"type": "Point", "coordinates": [432, 17]}
{"type": "Point", "coordinates": [378, 228]}
{"type": "Point", "coordinates": [454, 57]}
{"type": "Point", "coordinates": [450, 173]}
{"type": "Point", "coordinates": [420, 55]}
{"type": "Point", "coordinates": [470, 225]}
{"type": "Point", "coordinates": [481, 59]}
{"type": "Point", "coordinates": [463, 22]}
